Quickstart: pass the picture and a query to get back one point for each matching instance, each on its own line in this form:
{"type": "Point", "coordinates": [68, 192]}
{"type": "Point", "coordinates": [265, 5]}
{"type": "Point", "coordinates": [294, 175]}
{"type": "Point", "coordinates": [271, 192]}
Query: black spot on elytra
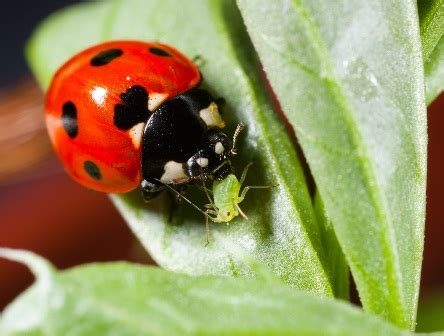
{"type": "Point", "coordinates": [134, 108]}
{"type": "Point", "coordinates": [92, 170]}
{"type": "Point", "coordinates": [69, 119]}
{"type": "Point", "coordinates": [106, 56]}
{"type": "Point", "coordinates": [159, 52]}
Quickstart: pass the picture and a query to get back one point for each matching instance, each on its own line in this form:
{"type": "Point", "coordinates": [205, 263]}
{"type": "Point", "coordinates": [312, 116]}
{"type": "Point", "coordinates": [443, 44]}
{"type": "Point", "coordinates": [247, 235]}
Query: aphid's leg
{"type": "Point", "coordinates": [246, 189]}
{"type": "Point", "coordinates": [214, 213]}
{"type": "Point", "coordinates": [240, 211]}
{"type": "Point", "coordinates": [207, 232]}
{"type": "Point", "coordinates": [207, 224]}
{"type": "Point", "coordinates": [198, 60]}
{"type": "Point", "coordinates": [206, 191]}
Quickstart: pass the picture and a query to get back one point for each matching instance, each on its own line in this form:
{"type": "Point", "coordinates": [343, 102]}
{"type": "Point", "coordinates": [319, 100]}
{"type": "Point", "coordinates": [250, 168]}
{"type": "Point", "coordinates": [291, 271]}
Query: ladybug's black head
{"type": "Point", "coordinates": [213, 159]}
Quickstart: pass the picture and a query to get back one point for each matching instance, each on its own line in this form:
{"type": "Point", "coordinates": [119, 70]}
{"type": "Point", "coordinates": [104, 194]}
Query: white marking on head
{"type": "Point", "coordinates": [174, 173]}
{"type": "Point", "coordinates": [203, 162]}
{"type": "Point", "coordinates": [211, 116]}
{"type": "Point", "coordinates": [154, 100]}
{"type": "Point", "coordinates": [98, 95]}
{"type": "Point", "coordinates": [136, 133]}
{"type": "Point", "coordinates": [219, 148]}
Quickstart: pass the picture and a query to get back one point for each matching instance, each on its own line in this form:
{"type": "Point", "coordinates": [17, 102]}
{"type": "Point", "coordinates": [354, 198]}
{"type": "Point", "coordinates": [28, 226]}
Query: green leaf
{"type": "Point", "coordinates": [431, 18]}
{"type": "Point", "coordinates": [281, 233]}
{"type": "Point", "coordinates": [129, 299]}
{"type": "Point", "coordinates": [338, 268]}
{"type": "Point", "coordinates": [24, 318]}
{"type": "Point", "coordinates": [349, 77]}
{"type": "Point", "coordinates": [434, 73]}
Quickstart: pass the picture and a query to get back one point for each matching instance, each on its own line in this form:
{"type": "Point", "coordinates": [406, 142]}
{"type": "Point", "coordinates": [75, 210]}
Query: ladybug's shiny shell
{"type": "Point", "coordinates": [99, 101]}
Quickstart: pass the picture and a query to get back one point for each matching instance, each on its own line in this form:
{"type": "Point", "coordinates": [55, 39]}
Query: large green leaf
{"type": "Point", "coordinates": [281, 233]}
{"type": "Point", "coordinates": [349, 77]}
{"type": "Point", "coordinates": [128, 299]}
{"type": "Point", "coordinates": [431, 18]}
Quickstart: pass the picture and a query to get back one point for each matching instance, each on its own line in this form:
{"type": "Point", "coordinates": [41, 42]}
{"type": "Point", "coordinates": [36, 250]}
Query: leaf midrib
{"type": "Point", "coordinates": [370, 180]}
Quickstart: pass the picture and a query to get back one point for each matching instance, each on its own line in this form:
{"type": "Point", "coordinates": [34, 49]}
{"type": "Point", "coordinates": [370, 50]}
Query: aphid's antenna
{"type": "Point", "coordinates": [202, 188]}
{"type": "Point", "coordinates": [207, 216]}
{"type": "Point", "coordinates": [239, 128]}
{"type": "Point", "coordinates": [184, 198]}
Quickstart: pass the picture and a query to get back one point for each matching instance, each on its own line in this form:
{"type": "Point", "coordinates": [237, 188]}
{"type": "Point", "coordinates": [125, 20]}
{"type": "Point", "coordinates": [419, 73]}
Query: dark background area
{"type": "Point", "coordinates": [44, 211]}
{"type": "Point", "coordinates": [18, 19]}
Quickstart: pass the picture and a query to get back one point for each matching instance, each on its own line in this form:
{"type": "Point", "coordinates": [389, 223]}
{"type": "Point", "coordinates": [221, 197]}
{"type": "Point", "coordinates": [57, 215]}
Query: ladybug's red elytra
{"type": "Point", "coordinates": [127, 113]}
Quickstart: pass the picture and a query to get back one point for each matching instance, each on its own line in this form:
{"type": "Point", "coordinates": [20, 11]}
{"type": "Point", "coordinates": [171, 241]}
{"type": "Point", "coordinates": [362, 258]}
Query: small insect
{"type": "Point", "coordinates": [227, 194]}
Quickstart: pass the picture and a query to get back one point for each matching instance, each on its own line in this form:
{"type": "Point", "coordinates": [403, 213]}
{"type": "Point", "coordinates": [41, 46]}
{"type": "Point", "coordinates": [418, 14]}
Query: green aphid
{"type": "Point", "coordinates": [226, 199]}
{"type": "Point", "coordinates": [227, 195]}
{"type": "Point", "coordinates": [224, 205]}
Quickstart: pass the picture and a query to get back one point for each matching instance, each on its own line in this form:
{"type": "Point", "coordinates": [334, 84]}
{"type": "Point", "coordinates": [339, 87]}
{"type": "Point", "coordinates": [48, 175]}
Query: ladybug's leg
{"type": "Point", "coordinates": [150, 190]}
{"type": "Point", "coordinates": [181, 189]}
{"type": "Point", "coordinates": [172, 206]}
{"type": "Point", "coordinates": [198, 60]}
{"type": "Point", "coordinates": [220, 103]}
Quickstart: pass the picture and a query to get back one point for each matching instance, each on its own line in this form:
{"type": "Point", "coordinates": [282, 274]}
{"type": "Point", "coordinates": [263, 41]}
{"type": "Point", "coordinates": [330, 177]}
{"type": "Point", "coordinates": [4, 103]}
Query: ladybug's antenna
{"type": "Point", "coordinates": [239, 128]}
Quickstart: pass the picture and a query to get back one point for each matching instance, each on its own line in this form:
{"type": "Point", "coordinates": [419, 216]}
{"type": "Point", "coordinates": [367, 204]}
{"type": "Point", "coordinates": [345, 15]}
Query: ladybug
{"type": "Point", "coordinates": [125, 114]}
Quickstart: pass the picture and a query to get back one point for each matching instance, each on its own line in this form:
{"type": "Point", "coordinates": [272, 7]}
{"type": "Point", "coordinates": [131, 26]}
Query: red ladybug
{"type": "Point", "coordinates": [125, 113]}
